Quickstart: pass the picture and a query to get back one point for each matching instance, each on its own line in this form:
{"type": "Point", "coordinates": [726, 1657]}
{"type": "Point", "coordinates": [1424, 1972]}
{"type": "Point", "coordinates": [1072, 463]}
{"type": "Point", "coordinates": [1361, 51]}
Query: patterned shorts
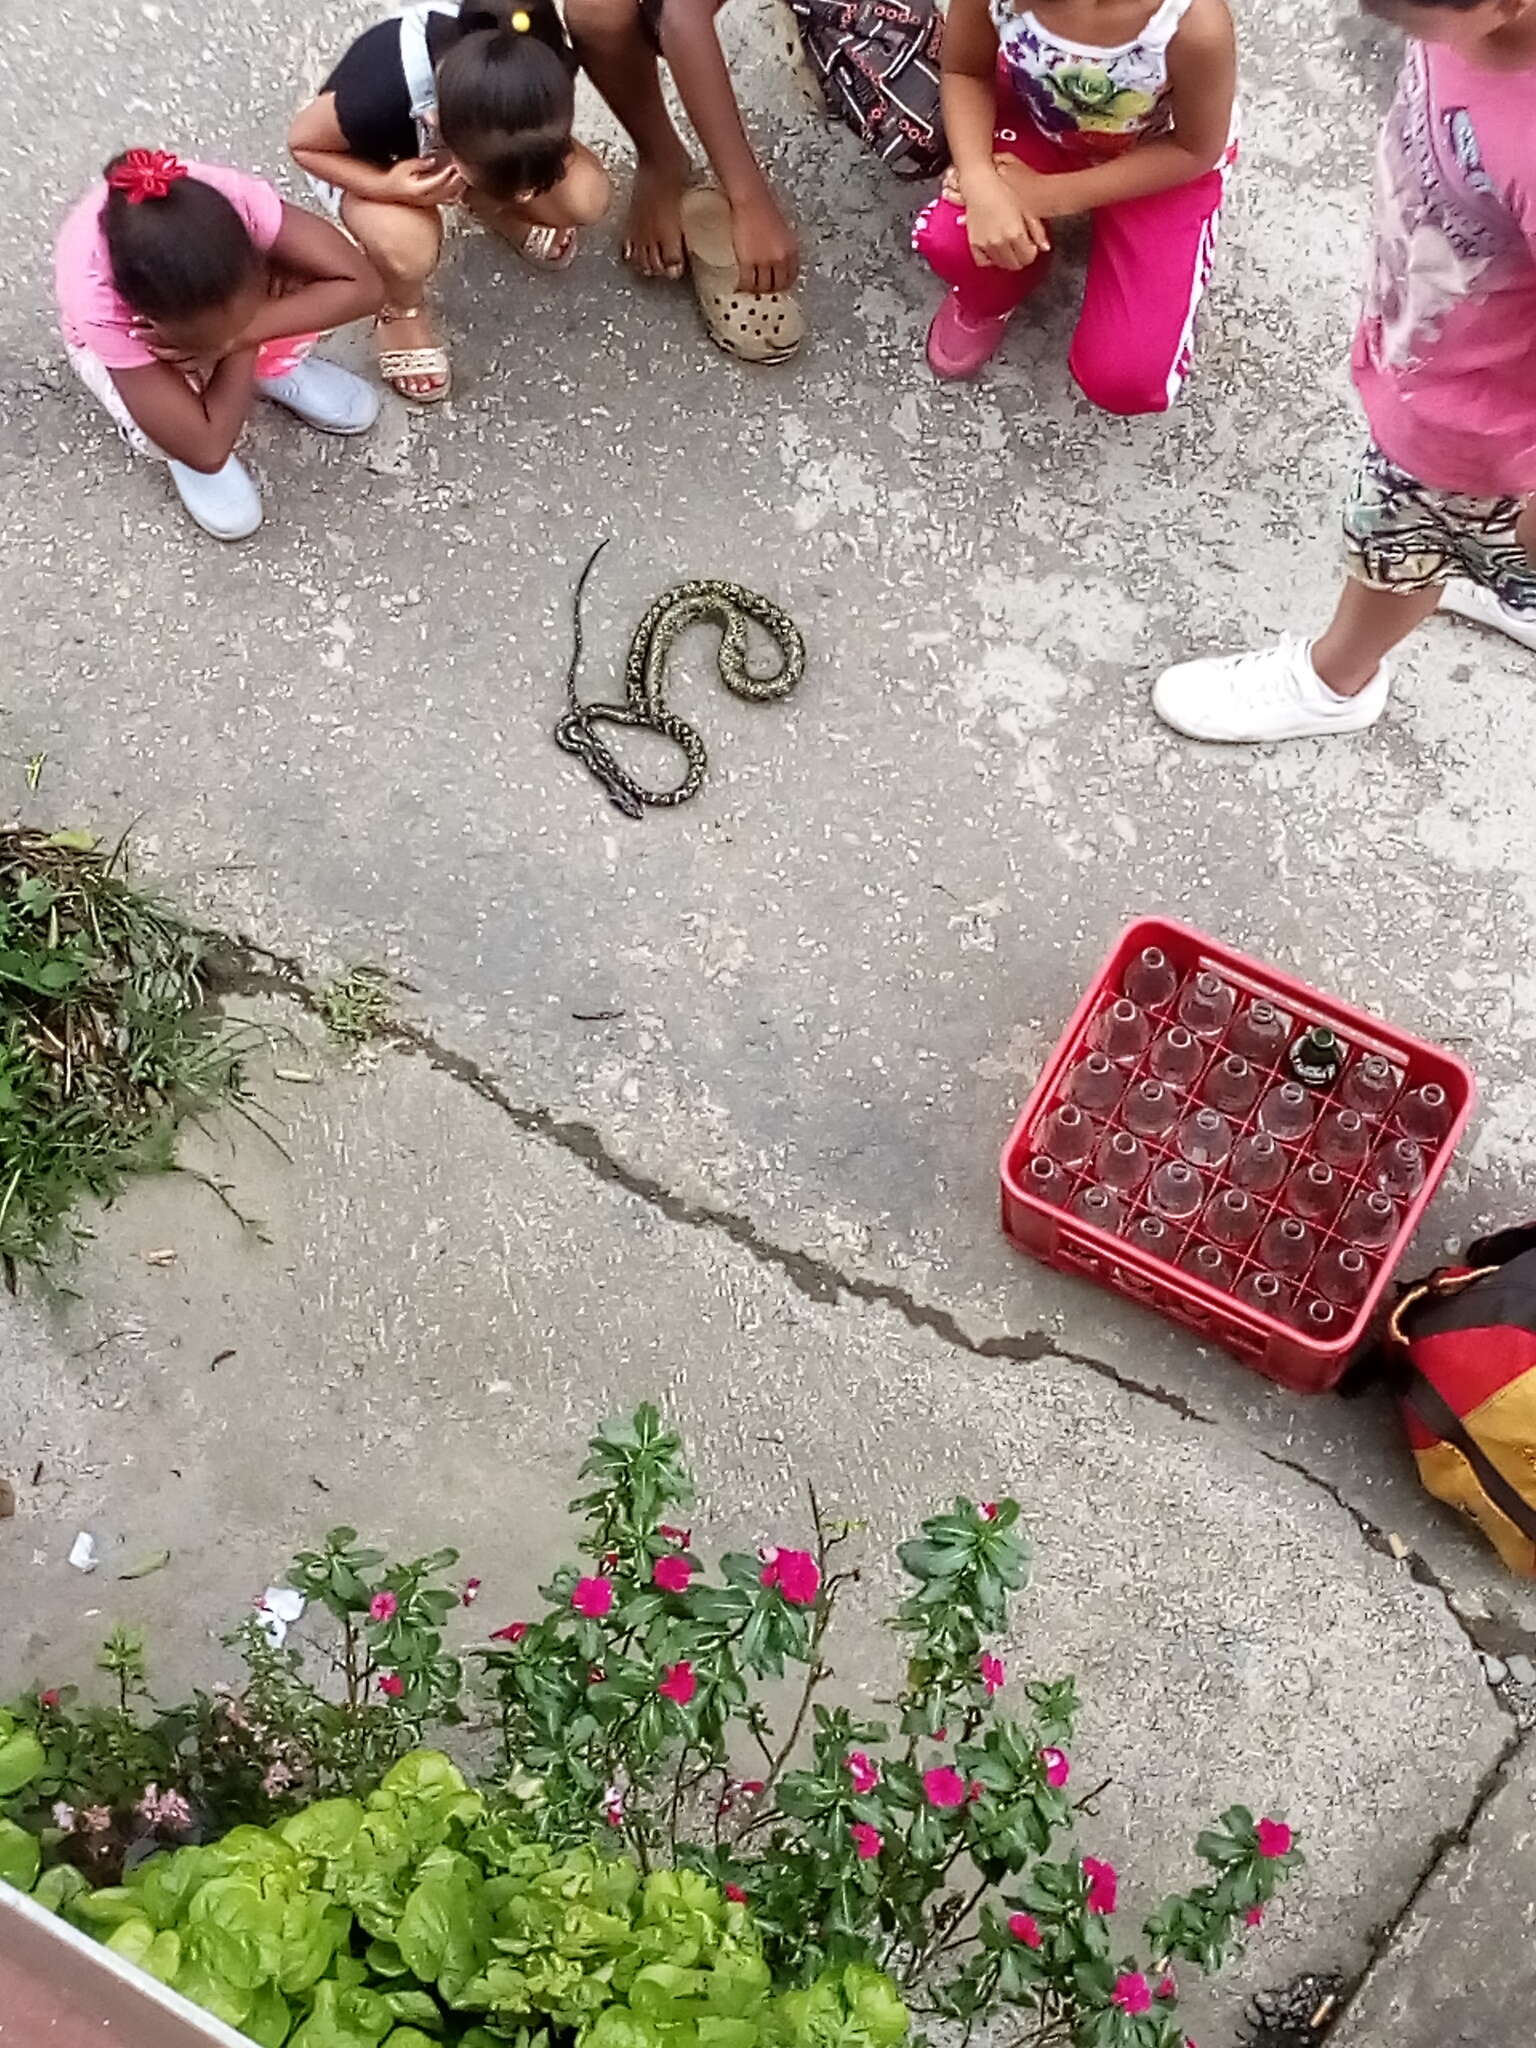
{"type": "Point", "coordinates": [1400, 534]}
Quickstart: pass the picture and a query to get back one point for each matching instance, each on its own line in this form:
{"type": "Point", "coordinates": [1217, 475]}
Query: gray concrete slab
{"type": "Point", "coordinates": [447, 1306]}
{"type": "Point", "coordinates": [1462, 1965]}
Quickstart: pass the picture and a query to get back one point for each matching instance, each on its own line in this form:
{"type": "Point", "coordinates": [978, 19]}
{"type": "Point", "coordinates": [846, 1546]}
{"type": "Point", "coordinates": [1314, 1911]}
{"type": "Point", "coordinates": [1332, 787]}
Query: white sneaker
{"type": "Point", "coordinates": [224, 502]}
{"type": "Point", "coordinates": [324, 395]}
{"type": "Point", "coordinates": [1473, 601]}
{"type": "Point", "coordinates": [1275, 694]}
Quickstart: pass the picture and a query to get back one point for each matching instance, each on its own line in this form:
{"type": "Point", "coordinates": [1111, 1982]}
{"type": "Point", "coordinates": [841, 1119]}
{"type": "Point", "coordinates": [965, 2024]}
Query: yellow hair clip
{"type": "Point", "coordinates": [520, 22]}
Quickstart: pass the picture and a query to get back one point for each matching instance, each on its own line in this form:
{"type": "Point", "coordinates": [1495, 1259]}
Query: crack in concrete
{"type": "Point", "coordinates": [824, 1282]}
{"type": "Point", "coordinates": [1442, 1845]}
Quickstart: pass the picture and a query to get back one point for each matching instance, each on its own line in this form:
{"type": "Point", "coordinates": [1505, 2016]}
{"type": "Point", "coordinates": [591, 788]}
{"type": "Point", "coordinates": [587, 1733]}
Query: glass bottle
{"type": "Point", "coordinates": [1231, 1217]}
{"type": "Point", "coordinates": [1043, 1177]}
{"type": "Point", "coordinates": [1177, 1057]}
{"type": "Point", "coordinates": [1205, 1138]}
{"type": "Point", "coordinates": [1369, 1220]}
{"type": "Point", "coordinates": [1266, 1291]}
{"type": "Point", "coordinates": [1314, 1192]}
{"type": "Point", "coordinates": [1286, 1111]}
{"type": "Point", "coordinates": [1121, 1032]}
{"type": "Point", "coordinates": [1121, 1161]}
{"type": "Point", "coordinates": [1176, 1190]}
{"type": "Point", "coordinates": [1316, 1059]}
{"type": "Point", "coordinates": [1153, 1234]}
{"type": "Point", "coordinates": [1150, 1109]}
{"type": "Point", "coordinates": [1095, 1084]}
{"type": "Point", "coordinates": [1397, 1168]}
{"type": "Point", "coordinates": [1099, 1205]}
{"type": "Point", "coordinates": [1342, 1140]}
{"type": "Point", "coordinates": [1320, 1320]}
{"type": "Point", "coordinates": [1258, 1164]}
{"type": "Point", "coordinates": [1208, 1262]}
{"type": "Point", "coordinates": [1259, 1033]}
{"type": "Point", "coordinates": [1151, 978]}
{"type": "Point", "coordinates": [1231, 1086]}
{"type": "Point", "coordinates": [1343, 1275]}
{"type": "Point", "coordinates": [1424, 1114]}
{"type": "Point", "coordinates": [1369, 1085]}
{"type": "Point", "coordinates": [1068, 1134]}
{"type": "Point", "coordinates": [1287, 1246]}
{"type": "Point", "coordinates": [1206, 1004]}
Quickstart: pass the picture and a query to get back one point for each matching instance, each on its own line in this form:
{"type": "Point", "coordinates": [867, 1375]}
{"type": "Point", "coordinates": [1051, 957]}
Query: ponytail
{"type": "Point", "coordinates": [175, 246]}
{"type": "Point", "coordinates": [506, 95]}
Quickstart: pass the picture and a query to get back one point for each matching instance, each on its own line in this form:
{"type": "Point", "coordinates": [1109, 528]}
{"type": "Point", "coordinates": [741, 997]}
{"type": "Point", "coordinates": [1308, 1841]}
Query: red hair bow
{"type": "Point", "coordinates": [146, 174]}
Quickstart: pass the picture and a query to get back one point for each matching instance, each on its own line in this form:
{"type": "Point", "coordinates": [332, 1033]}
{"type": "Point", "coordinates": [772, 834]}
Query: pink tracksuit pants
{"type": "Point", "coordinates": [1147, 273]}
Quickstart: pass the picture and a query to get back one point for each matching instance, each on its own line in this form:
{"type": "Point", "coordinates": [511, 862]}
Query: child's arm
{"type": "Point", "coordinates": [767, 251]}
{"type": "Point", "coordinates": [317, 145]}
{"type": "Point", "coordinates": [326, 279]}
{"type": "Point", "coordinates": [198, 426]}
{"type": "Point", "coordinates": [1202, 72]}
{"type": "Point", "coordinates": [1002, 233]}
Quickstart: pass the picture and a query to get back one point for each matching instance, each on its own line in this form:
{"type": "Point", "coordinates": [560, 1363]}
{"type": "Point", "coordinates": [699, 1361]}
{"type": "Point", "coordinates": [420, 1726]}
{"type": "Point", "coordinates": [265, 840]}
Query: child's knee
{"type": "Point", "coordinates": [1114, 381]}
{"type": "Point", "coordinates": [403, 242]}
{"type": "Point", "coordinates": [585, 192]}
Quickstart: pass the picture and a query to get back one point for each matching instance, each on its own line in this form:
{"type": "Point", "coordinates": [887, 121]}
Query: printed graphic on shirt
{"type": "Point", "coordinates": [1440, 224]}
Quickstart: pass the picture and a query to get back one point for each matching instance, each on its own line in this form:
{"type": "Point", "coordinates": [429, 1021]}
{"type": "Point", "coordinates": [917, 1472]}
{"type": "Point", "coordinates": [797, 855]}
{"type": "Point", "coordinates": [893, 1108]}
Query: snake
{"type": "Point", "coordinates": [730, 606]}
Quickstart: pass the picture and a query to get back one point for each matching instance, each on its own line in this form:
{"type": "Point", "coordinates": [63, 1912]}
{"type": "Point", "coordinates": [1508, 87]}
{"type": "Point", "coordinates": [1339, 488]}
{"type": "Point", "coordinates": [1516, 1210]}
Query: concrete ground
{"type": "Point", "coordinates": [708, 1107]}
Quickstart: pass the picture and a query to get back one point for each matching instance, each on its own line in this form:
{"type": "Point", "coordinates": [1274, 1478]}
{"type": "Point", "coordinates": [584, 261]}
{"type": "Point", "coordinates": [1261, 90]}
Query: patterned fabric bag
{"type": "Point", "coordinates": [1461, 1355]}
{"type": "Point", "coordinates": [877, 62]}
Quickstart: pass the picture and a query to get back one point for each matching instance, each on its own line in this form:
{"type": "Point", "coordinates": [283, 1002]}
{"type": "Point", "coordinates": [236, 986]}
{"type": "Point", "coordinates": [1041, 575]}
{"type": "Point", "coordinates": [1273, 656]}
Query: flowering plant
{"type": "Point", "coordinates": [935, 1843]}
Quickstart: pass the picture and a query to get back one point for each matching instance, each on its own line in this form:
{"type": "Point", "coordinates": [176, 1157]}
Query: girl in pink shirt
{"type": "Point", "coordinates": [185, 291]}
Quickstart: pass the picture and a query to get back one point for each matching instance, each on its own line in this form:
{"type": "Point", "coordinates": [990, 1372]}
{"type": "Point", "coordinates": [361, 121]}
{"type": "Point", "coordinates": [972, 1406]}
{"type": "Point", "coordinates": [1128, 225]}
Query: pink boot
{"type": "Point", "coordinates": [959, 347]}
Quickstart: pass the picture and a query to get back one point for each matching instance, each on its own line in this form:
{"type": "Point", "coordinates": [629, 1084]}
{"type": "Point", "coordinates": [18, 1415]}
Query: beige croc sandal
{"type": "Point", "coordinates": [756, 327]}
{"type": "Point", "coordinates": [396, 364]}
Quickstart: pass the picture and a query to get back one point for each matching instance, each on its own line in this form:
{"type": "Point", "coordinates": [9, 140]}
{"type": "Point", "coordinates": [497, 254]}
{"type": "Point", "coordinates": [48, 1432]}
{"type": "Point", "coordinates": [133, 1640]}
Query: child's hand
{"type": "Point", "coordinates": [1002, 235]}
{"type": "Point", "coordinates": [424, 181]}
{"type": "Point", "coordinates": [767, 252]}
{"type": "Point", "coordinates": [1525, 528]}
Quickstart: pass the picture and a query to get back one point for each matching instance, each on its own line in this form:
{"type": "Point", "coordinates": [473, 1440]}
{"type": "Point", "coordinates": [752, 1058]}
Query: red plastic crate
{"type": "Point", "coordinates": [1285, 1353]}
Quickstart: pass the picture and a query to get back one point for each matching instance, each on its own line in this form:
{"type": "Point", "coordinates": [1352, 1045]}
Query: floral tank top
{"type": "Point", "coordinates": [1092, 102]}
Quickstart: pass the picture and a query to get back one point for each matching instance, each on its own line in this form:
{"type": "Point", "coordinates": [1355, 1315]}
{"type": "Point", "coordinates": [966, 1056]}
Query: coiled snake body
{"type": "Point", "coordinates": [729, 606]}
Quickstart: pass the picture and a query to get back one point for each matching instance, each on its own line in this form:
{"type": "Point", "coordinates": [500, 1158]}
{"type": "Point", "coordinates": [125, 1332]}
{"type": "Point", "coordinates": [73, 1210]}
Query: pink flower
{"type": "Point", "coordinates": [596, 1675]}
{"type": "Point", "coordinates": [1132, 1993]}
{"type": "Point", "coordinates": [1254, 1916]}
{"type": "Point", "coordinates": [1166, 1988]}
{"type": "Point", "coordinates": [383, 1607]}
{"type": "Point", "coordinates": [989, 1510]}
{"type": "Point", "coordinates": [941, 1735]}
{"type": "Point", "coordinates": [943, 1786]}
{"type": "Point", "coordinates": [165, 1809]}
{"type": "Point", "coordinates": [679, 1685]}
{"type": "Point", "coordinates": [992, 1672]}
{"type": "Point", "coordinates": [796, 1574]}
{"type": "Point", "coordinates": [278, 1778]}
{"type": "Point", "coordinates": [1058, 1767]}
{"type": "Point", "coordinates": [672, 1574]}
{"type": "Point", "coordinates": [749, 1788]}
{"type": "Point", "coordinates": [1274, 1838]}
{"type": "Point", "coordinates": [864, 1772]}
{"type": "Point", "coordinates": [50, 1698]}
{"type": "Point", "coordinates": [64, 1815]}
{"type": "Point", "coordinates": [1022, 1927]}
{"type": "Point", "coordinates": [975, 1790]}
{"type": "Point", "coordinates": [867, 1841]}
{"type": "Point", "coordinates": [613, 1806]}
{"type": "Point", "coordinates": [610, 1560]}
{"type": "Point", "coordinates": [683, 1538]}
{"type": "Point", "coordinates": [391, 1684]}
{"type": "Point", "coordinates": [1103, 1885]}
{"type": "Point", "coordinates": [593, 1598]}
{"type": "Point", "coordinates": [512, 1633]}
{"type": "Point", "coordinates": [471, 1592]}
{"type": "Point", "coordinates": [735, 1894]}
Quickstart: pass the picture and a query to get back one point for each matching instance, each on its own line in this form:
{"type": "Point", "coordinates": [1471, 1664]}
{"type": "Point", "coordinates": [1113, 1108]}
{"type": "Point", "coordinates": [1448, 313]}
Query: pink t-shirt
{"type": "Point", "coordinates": [1445, 355]}
{"type": "Point", "coordinates": [92, 312]}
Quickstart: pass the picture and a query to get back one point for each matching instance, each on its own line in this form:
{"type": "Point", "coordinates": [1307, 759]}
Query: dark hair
{"type": "Point", "coordinates": [506, 95]}
{"type": "Point", "coordinates": [178, 256]}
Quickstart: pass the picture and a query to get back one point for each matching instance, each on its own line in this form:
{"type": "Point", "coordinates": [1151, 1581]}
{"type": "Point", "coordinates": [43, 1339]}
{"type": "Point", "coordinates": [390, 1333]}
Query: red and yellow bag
{"type": "Point", "coordinates": [1461, 1356]}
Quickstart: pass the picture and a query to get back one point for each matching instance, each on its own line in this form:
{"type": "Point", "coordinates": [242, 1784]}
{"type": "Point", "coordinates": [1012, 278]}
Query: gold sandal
{"type": "Point", "coordinates": [396, 364]}
{"type": "Point", "coordinates": [764, 327]}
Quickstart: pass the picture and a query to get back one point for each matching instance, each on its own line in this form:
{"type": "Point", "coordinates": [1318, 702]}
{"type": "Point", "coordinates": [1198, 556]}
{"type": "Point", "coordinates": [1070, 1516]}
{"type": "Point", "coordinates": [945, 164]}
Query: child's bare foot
{"type": "Point", "coordinates": [653, 233]}
{"type": "Point", "coordinates": [412, 360]}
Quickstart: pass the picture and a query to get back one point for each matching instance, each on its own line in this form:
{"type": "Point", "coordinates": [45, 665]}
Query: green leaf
{"type": "Point", "coordinates": [19, 1856]}
{"type": "Point", "coordinates": [73, 842]}
{"type": "Point", "coordinates": [327, 1829]}
{"type": "Point", "coordinates": [58, 1886]}
{"type": "Point", "coordinates": [22, 1758]}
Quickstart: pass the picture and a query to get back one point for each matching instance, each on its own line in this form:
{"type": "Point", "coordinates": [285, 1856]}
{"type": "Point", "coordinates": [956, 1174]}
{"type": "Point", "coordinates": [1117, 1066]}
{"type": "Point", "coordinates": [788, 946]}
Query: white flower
{"type": "Point", "coordinates": [277, 1610]}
